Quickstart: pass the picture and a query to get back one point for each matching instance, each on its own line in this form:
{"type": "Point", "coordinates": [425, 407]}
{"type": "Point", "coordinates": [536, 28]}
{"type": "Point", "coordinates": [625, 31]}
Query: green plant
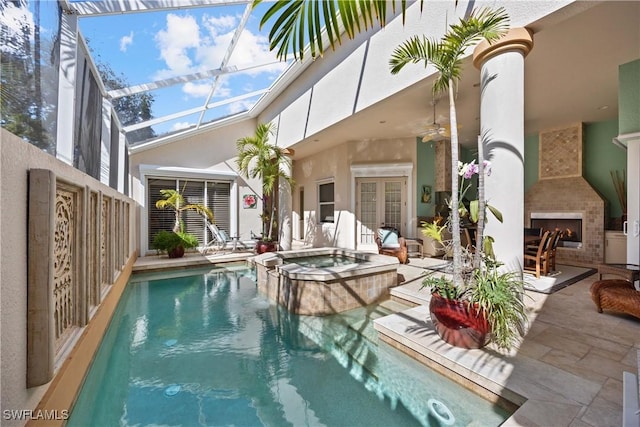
{"type": "Point", "coordinates": [259, 158]}
{"type": "Point", "coordinates": [168, 241]}
{"type": "Point", "coordinates": [298, 22]}
{"type": "Point", "coordinates": [500, 297]}
{"type": "Point", "coordinates": [172, 199]}
{"type": "Point", "coordinates": [446, 56]}
{"type": "Point", "coordinates": [443, 286]}
{"type": "Point", "coordinates": [433, 230]}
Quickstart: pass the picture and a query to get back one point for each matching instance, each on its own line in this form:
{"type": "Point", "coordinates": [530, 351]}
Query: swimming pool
{"type": "Point", "coordinates": [204, 348]}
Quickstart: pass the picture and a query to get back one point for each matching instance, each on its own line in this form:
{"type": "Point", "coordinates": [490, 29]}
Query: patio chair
{"type": "Point", "coordinates": [552, 254]}
{"type": "Point", "coordinates": [221, 239]}
{"type": "Point", "coordinates": [390, 243]}
{"type": "Point", "coordinates": [538, 261]}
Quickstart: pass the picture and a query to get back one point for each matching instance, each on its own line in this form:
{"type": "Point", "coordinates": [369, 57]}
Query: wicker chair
{"type": "Point", "coordinates": [616, 295]}
{"type": "Point", "coordinates": [390, 243]}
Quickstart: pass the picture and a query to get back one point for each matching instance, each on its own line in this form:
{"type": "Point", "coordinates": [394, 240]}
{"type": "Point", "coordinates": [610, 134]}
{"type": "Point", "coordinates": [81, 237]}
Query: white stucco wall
{"type": "Point", "coordinates": [16, 158]}
{"type": "Point", "coordinates": [335, 165]}
{"type": "Point", "coordinates": [212, 151]}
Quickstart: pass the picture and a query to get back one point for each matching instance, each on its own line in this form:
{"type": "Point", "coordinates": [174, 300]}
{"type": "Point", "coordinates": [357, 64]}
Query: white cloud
{"type": "Point", "coordinates": [181, 34]}
{"type": "Point", "coordinates": [196, 90]}
{"type": "Point", "coordinates": [218, 24]}
{"type": "Point", "coordinates": [254, 49]}
{"type": "Point", "coordinates": [251, 49]}
{"type": "Point", "coordinates": [126, 41]}
{"type": "Point", "coordinates": [238, 106]}
{"type": "Point", "coordinates": [201, 90]}
{"type": "Point", "coordinates": [187, 47]}
{"type": "Point", "coordinates": [180, 126]}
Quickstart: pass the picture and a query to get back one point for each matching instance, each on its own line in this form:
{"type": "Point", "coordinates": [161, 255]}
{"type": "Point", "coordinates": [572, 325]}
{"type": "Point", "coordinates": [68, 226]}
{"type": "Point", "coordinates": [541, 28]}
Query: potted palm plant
{"type": "Point", "coordinates": [259, 158]}
{"type": "Point", "coordinates": [479, 301]}
{"type": "Point", "coordinates": [176, 241]}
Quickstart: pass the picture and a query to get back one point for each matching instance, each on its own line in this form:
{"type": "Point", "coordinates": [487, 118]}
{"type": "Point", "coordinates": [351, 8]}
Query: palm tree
{"type": "Point", "coordinates": [258, 158]}
{"type": "Point", "coordinates": [172, 199]}
{"type": "Point", "coordinates": [299, 22]}
{"type": "Point", "coordinates": [446, 56]}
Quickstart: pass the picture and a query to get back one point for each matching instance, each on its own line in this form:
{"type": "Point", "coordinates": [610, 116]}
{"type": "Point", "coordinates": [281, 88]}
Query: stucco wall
{"type": "Point", "coordinates": [16, 158]}
{"type": "Point", "coordinates": [335, 164]}
{"type": "Point", "coordinates": [214, 151]}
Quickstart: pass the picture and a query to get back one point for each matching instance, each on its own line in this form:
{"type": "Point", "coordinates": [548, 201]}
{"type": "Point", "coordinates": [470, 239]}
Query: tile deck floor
{"type": "Point", "coordinates": [567, 371]}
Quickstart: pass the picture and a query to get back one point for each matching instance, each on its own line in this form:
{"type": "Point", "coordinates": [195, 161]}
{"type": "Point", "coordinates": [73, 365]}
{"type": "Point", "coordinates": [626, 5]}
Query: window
{"type": "Point", "coordinates": [326, 202]}
{"type": "Point", "coordinates": [214, 195]}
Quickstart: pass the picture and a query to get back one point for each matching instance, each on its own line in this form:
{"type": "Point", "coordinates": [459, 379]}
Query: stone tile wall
{"type": "Point", "coordinates": [561, 188]}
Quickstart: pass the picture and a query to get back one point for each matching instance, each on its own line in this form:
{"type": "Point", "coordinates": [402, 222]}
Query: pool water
{"type": "Point", "coordinates": [203, 348]}
{"type": "Point", "coordinates": [322, 261]}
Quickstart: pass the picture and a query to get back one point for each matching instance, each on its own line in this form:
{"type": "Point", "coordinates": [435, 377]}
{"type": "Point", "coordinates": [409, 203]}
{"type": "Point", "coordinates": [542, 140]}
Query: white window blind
{"type": "Point", "coordinates": [193, 222]}
{"type": "Point", "coordinates": [218, 197]}
{"type": "Point", "coordinates": [214, 195]}
{"type": "Point", "coordinates": [159, 219]}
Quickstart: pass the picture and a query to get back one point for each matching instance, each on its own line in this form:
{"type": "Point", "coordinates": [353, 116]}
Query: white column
{"type": "Point", "coordinates": [105, 143]}
{"type": "Point", "coordinates": [285, 205]}
{"type": "Point", "coordinates": [66, 87]}
{"type": "Point", "coordinates": [502, 132]}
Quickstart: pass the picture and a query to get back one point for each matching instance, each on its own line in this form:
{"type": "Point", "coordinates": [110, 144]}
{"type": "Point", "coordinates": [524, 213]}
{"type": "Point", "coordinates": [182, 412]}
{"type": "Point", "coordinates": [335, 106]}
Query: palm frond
{"type": "Point", "coordinates": [297, 23]}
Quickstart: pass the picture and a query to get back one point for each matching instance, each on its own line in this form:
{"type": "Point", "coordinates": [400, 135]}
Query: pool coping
{"type": "Point", "coordinates": [371, 263]}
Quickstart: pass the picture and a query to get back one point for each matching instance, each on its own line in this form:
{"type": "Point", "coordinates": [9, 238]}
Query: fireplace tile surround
{"type": "Point", "coordinates": [561, 189]}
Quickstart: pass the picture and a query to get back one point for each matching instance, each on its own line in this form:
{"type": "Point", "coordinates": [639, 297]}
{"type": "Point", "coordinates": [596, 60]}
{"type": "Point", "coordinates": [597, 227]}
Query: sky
{"type": "Point", "coordinates": [145, 47]}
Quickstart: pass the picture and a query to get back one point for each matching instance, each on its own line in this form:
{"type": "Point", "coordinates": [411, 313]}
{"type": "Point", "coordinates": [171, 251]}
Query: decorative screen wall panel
{"type": "Point", "coordinates": [65, 279]}
{"type": "Point", "coordinates": [71, 267]}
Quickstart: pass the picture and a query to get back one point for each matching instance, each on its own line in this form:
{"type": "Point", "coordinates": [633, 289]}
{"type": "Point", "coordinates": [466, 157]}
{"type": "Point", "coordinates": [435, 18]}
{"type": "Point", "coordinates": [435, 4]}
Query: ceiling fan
{"type": "Point", "coordinates": [434, 131]}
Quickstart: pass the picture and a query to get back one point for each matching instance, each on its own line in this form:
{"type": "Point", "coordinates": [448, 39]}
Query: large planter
{"type": "Point", "coordinates": [458, 323]}
{"type": "Point", "coordinates": [266, 246]}
{"type": "Point", "coordinates": [177, 252]}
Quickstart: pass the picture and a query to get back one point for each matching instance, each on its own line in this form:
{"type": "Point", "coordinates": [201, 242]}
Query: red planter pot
{"type": "Point", "coordinates": [262, 246]}
{"type": "Point", "coordinates": [177, 252]}
{"type": "Point", "coordinates": [458, 323]}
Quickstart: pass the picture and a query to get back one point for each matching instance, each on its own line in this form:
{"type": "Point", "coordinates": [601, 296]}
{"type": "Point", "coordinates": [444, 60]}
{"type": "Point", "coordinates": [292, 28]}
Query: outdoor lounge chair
{"type": "Point", "coordinates": [390, 243]}
{"type": "Point", "coordinates": [221, 241]}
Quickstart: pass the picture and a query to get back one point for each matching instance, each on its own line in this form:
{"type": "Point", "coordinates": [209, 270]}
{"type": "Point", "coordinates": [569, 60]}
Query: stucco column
{"type": "Point", "coordinates": [501, 67]}
{"type": "Point", "coordinates": [285, 204]}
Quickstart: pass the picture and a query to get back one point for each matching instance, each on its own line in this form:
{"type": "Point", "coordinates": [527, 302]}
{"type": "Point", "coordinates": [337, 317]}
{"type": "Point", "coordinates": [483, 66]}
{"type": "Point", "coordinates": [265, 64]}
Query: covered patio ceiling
{"type": "Point", "coordinates": [571, 76]}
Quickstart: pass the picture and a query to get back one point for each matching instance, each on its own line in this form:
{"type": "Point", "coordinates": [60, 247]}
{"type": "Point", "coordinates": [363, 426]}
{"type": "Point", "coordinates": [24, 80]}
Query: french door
{"type": "Point", "coordinates": [381, 202]}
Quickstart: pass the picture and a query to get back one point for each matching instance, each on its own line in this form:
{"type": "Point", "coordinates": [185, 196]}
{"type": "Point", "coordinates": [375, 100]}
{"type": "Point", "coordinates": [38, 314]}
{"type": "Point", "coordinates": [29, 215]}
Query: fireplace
{"type": "Point", "coordinates": [568, 224]}
{"type": "Point", "coordinates": [565, 200]}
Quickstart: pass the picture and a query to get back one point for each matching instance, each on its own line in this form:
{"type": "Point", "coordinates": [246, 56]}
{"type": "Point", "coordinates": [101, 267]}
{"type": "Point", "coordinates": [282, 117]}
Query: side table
{"type": "Point", "coordinates": [412, 245]}
{"type": "Point", "coordinates": [630, 272]}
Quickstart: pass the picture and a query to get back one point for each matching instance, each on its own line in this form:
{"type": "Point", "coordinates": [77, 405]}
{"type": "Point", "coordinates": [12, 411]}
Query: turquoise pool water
{"type": "Point", "coordinates": [202, 348]}
{"type": "Point", "coordinates": [322, 261]}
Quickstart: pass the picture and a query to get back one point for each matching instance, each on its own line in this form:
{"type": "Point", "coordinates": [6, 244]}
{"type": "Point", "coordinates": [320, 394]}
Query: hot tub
{"type": "Point", "coordinates": [325, 281]}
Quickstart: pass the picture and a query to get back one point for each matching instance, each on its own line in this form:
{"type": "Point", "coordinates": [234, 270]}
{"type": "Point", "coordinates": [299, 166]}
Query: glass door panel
{"type": "Point", "coordinates": [393, 204]}
{"type": "Point", "coordinates": [368, 219]}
